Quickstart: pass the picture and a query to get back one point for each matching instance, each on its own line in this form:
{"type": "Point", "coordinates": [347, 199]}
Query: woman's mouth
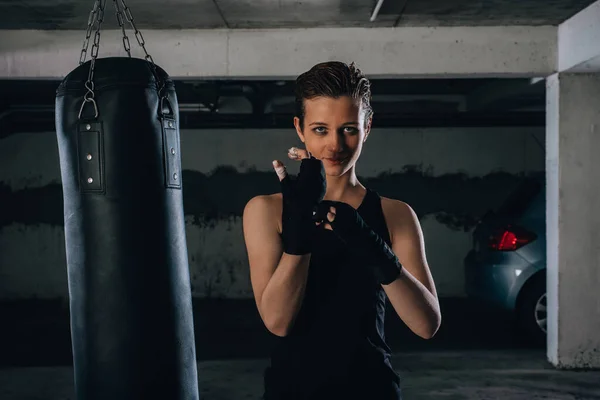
{"type": "Point", "coordinates": [334, 161]}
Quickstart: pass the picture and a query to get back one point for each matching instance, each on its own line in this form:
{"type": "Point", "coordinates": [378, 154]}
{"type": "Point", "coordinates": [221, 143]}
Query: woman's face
{"type": "Point", "coordinates": [334, 132]}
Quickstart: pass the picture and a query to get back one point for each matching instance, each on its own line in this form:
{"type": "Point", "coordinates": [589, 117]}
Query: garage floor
{"type": "Point", "coordinates": [477, 354]}
{"type": "Point", "coordinates": [461, 375]}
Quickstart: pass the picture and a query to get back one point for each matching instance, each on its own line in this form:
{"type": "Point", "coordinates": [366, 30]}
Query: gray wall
{"type": "Point", "coordinates": [449, 176]}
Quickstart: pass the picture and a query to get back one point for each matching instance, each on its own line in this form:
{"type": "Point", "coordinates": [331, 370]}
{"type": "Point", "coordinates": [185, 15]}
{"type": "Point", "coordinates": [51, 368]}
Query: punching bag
{"type": "Point", "coordinates": [128, 276]}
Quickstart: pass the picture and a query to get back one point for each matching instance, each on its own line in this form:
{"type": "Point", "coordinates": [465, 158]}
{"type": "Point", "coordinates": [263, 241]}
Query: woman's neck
{"type": "Point", "coordinates": [340, 187]}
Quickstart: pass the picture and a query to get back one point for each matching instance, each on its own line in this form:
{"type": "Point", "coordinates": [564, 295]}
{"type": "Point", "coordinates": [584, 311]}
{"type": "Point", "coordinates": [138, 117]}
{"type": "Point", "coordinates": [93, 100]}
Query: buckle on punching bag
{"type": "Point", "coordinates": [165, 107]}
{"type": "Point", "coordinates": [171, 149]}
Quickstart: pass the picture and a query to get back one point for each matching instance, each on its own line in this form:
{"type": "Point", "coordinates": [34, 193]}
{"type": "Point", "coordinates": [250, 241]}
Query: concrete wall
{"type": "Point", "coordinates": [449, 176]}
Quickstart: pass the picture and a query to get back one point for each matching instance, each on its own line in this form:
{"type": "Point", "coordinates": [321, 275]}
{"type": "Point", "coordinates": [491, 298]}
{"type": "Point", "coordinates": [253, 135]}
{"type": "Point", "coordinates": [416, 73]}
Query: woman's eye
{"type": "Point", "coordinates": [347, 129]}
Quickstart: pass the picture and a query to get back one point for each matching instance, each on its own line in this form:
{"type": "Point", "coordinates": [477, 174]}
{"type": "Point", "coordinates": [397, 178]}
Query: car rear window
{"type": "Point", "coordinates": [520, 199]}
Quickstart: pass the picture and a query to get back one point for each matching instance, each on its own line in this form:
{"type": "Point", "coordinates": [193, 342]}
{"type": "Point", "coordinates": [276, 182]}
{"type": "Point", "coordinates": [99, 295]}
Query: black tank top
{"type": "Point", "coordinates": [337, 339]}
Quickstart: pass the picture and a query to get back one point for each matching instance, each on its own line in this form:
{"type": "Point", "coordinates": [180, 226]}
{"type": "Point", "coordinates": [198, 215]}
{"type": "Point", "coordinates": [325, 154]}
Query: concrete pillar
{"type": "Point", "coordinates": [573, 219]}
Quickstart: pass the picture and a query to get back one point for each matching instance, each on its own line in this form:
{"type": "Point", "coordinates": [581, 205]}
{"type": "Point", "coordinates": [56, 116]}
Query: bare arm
{"type": "Point", "coordinates": [413, 294]}
{"type": "Point", "coordinates": [278, 279]}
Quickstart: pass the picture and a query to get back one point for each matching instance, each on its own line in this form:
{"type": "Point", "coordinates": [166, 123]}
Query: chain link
{"type": "Point", "coordinates": [89, 85]}
{"type": "Point", "coordinates": [96, 45]}
{"type": "Point", "coordinates": [88, 33]}
{"type": "Point", "coordinates": [96, 17]}
{"type": "Point", "coordinates": [119, 13]}
{"type": "Point", "coordinates": [140, 39]}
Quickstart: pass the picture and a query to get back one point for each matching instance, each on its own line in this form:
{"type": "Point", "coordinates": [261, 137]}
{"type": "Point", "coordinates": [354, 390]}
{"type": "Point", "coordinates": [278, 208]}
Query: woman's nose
{"type": "Point", "coordinates": [335, 142]}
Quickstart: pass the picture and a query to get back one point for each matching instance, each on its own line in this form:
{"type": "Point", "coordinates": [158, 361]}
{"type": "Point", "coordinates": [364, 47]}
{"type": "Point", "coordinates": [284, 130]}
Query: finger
{"type": "Point", "coordinates": [279, 169]}
{"type": "Point", "coordinates": [330, 217]}
{"type": "Point", "coordinates": [331, 214]}
{"type": "Point", "coordinates": [325, 225]}
{"type": "Point", "coordinates": [297, 154]}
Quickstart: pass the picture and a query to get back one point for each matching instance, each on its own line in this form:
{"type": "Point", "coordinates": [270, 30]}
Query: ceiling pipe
{"type": "Point", "coordinates": [376, 10]}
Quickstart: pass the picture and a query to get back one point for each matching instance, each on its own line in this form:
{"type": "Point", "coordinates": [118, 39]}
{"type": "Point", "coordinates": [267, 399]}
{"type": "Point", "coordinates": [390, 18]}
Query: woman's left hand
{"type": "Point", "coordinates": [361, 240]}
{"type": "Point", "coordinates": [330, 219]}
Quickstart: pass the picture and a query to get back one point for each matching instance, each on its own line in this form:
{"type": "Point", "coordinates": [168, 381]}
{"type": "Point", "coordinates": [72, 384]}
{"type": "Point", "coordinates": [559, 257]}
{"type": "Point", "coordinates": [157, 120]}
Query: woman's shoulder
{"type": "Point", "coordinates": [264, 202]}
{"type": "Point", "coordinates": [271, 200]}
{"type": "Point", "coordinates": [394, 205]}
{"type": "Point", "coordinates": [397, 213]}
{"type": "Point", "coordinates": [267, 206]}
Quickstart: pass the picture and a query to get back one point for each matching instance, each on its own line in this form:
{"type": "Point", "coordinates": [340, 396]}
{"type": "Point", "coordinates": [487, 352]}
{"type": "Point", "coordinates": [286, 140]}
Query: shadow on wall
{"type": "Point", "coordinates": [456, 200]}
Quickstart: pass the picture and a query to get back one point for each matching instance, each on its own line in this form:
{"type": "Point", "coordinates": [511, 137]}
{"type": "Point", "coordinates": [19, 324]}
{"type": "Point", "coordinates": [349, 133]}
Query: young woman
{"type": "Point", "coordinates": [326, 253]}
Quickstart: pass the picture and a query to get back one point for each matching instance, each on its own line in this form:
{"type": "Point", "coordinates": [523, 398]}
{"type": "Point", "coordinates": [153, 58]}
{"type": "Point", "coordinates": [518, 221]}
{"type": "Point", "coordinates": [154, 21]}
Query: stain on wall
{"type": "Point", "coordinates": [209, 199]}
{"type": "Point", "coordinates": [450, 177]}
{"type": "Point", "coordinates": [457, 199]}
{"type": "Point", "coordinates": [32, 205]}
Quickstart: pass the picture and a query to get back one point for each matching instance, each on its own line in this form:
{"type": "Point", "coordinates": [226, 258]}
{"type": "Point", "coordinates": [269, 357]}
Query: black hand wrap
{"type": "Point", "coordinates": [300, 197]}
{"type": "Point", "coordinates": [365, 243]}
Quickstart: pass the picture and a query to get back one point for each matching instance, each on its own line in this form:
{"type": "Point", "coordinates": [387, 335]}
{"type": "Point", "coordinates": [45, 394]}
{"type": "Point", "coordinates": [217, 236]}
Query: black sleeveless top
{"type": "Point", "coordinates": [337, 342]}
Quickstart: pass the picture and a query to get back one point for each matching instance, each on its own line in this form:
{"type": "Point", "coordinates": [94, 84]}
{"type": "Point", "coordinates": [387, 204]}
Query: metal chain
{"type": "Point", "coordinates": [89, 95]}
{"type": "Point", "coordinates": [119, 14]}
{"type": "Point", "coordinates": [96, 17]}
{"type": "Point", "coordinates": [96, 45]}
{"type": "Point", "coordinates": [88, 33]}
{"type": "Point", "coordinates": [142, 43]}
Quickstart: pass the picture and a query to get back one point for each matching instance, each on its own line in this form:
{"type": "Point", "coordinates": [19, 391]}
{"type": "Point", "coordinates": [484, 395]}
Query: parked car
{"type": "Point", "coordinates": [507, 265]}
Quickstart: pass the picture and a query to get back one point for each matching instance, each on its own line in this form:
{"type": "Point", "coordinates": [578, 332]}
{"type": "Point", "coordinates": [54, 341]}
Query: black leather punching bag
{"type": "Point", "coordinates": [130, 298]}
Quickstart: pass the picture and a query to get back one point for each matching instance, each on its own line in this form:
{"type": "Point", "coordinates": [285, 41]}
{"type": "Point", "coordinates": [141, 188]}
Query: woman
{"type": "Point", "coordinates": [326, 252]}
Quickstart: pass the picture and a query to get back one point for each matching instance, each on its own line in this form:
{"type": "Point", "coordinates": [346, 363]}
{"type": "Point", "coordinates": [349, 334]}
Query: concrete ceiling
{"type": "Point", "coordinates": [236, 14]}
{"type": "Point", "coordinates": [28, 105]}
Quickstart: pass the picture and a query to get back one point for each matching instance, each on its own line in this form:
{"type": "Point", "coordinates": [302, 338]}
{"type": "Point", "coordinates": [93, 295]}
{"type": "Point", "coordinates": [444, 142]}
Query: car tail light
{"type": "Point", "coordinates": [511, 238]}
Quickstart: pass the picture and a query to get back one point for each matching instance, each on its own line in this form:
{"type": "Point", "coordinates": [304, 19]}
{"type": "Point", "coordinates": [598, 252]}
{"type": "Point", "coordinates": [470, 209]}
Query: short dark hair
{"type": "Point", "coordinates": [333, 79]}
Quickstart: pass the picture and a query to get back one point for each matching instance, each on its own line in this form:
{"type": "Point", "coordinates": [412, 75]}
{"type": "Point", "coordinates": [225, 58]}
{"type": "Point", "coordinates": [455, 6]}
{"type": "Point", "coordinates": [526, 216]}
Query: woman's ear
{"type": "Point", "coordinates": [368, 128]}
{"type": "Point", "coordinates": [298, 128]}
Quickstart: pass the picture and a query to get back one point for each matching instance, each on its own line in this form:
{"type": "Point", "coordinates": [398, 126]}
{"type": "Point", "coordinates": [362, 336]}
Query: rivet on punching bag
{"type": "Point", "coordinates": [117, 127]}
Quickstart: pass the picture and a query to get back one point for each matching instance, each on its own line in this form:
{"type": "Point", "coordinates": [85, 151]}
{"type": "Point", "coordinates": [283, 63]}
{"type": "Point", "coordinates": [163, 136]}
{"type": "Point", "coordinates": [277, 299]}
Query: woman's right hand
{"type": "Point", "coordinates": [300, 197]}
{"type": "Point", "coordinates": [310, 184]}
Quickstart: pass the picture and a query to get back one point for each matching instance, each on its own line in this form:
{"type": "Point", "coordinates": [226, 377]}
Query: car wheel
{"type": "Point", "coordinates": [532, 312]}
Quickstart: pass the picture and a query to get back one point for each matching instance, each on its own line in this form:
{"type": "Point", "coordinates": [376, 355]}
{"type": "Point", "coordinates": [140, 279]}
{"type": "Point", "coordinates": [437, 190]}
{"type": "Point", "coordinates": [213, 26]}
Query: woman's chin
{"type": "Point", "coordinates": [336, 170]}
